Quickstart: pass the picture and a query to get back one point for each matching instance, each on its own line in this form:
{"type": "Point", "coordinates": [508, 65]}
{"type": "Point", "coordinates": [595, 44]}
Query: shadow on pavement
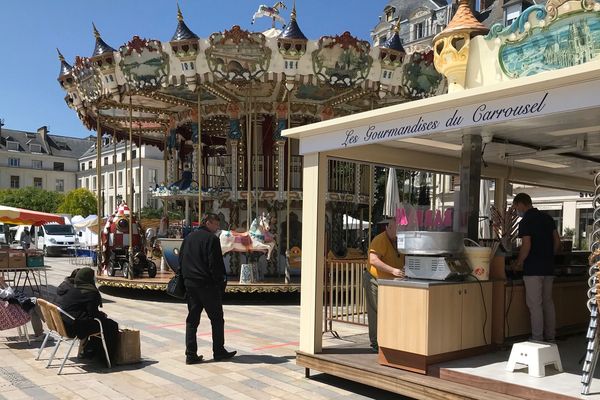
{"type": "Point", "coordinates": [356, 388]}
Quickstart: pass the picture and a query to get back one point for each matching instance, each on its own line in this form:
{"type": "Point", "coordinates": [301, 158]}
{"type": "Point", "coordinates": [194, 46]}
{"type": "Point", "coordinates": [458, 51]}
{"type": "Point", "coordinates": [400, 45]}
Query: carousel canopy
{"type": "Point", "coordinates": [234, 73]}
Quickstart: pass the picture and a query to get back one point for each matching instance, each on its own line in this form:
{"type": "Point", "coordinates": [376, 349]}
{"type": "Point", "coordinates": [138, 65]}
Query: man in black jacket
{"type": "Point", "coordinates": [203, 272]}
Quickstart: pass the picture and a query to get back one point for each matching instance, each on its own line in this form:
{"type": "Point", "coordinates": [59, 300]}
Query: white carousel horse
{"type": "Point", "coordinates": [258, 238]}
{"type": "Point", "coordinates": [271, 12]}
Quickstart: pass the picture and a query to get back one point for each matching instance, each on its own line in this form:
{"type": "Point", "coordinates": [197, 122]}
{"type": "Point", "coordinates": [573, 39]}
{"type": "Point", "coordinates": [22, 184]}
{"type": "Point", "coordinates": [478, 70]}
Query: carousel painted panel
{"type": "Point", "coordinates": [144, 63]}
{"type": "Point", "coordinates": [544, 38]}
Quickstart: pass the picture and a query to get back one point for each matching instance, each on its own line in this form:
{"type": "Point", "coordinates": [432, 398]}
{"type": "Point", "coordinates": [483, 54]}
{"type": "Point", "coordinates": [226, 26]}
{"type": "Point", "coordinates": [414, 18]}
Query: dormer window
{"type": "Point", "coordinates": [389, 14]}
{"type": "Point", "coordinates": [12, 146]}
{"type": "Point", "coordinates": [35, 148]}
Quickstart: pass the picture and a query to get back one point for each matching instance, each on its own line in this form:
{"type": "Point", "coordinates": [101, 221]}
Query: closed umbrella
{"type": "Point", "coordinates": [484, 210]}
{"type": "Point", "coordinates": [392, 196]}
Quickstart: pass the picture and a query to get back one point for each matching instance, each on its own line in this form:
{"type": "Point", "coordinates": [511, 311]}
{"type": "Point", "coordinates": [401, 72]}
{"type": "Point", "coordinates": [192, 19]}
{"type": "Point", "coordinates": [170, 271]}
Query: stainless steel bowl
{"type": "Point", "coordinates": [430, 243]}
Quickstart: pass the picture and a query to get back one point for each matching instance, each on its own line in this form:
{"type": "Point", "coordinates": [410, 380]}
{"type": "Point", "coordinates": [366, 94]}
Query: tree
{"type": "Point", "coordinates": [31, 198]}
{"type": "Point", "coordinates": [79, 202]}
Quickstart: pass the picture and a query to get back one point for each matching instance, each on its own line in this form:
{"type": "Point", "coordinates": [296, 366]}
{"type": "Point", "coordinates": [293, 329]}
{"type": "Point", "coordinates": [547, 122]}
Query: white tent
{"type": "Point", "coordinates": [86, 229]}
{"type": "Point", "coordinates": [351, 223]}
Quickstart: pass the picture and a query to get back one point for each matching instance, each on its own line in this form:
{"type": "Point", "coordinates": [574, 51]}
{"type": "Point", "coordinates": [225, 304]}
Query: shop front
{"type": "Point", "coordinates": [497, 122]}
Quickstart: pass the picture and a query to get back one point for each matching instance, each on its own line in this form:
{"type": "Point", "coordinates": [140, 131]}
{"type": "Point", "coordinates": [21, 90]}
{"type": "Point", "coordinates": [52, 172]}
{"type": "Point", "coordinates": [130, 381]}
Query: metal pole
{"type": "Point", "coordinates": [255, 166]}
{"type": "Point", "coordinates": [115, 166]}
{"type": "Point", "coordinates": [130, 182]}
{"type": "Point", "coordinates": [139, 210]}
{"type": "Point", "coordinates": [248, 162]}
{"type": "Point", "coordinates": [165, 175]}
{"type": "Point", "coordinates": [99, 188]}
{"type": "Point", "coordinates": [200, 169]}
{"type": "Point", "coordinates": [288, 187]}
{"type": "Point", "coordinates": [371, 179]}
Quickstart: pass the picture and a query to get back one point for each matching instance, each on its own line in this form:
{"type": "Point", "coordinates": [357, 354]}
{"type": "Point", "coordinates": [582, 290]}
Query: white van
{"type": "Point", "coordinates": [55, 239]}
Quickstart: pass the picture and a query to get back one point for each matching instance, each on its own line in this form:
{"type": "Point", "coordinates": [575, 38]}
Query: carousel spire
{"type": "Point", "coordinates": [65, 67]}
{"type": "Point", "coordinates": [101, 47]}
{"type": "Point", "coordinates": [292, 30]}
{"type": "Point", "coordinates": [182, 32]}
{"type": "Point", "coordinates": [394, 42]}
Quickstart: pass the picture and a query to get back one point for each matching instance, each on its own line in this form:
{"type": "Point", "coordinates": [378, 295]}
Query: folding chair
{"type": "Point", "coordinates": [61, 335]}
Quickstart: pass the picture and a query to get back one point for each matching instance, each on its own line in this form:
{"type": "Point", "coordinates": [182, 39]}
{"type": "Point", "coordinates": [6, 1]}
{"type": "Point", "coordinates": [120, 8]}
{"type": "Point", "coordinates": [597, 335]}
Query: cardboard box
{"type": "Point", "coordinates": [16, 259]}
{"type": "Point", "coordinates": [129, 349]}
{"type": "Point", "coordinates": [3, 259]}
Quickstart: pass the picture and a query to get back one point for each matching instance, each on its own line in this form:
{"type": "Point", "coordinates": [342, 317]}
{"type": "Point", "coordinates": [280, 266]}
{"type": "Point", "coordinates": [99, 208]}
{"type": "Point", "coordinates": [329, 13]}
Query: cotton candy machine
{"type": "Point", "coordinates": [433, 255]}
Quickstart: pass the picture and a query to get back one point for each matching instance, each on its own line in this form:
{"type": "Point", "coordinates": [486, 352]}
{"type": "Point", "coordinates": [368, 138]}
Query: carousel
{"type": "Point", "coordinates": [216, 107]}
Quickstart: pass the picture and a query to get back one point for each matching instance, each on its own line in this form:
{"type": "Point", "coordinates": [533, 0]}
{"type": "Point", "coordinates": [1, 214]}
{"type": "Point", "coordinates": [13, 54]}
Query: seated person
{"type": "Point", "coordinates": [65, 285]}
{"type": "Point", "coordinates": [82, 302]}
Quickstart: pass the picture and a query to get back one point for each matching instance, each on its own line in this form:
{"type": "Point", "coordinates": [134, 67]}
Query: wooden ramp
{"type": "Point", "coordinates": [359, 364]}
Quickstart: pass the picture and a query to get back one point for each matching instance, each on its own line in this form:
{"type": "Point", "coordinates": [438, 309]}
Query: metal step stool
{"type": "Point", "coordinates": [535, 355]}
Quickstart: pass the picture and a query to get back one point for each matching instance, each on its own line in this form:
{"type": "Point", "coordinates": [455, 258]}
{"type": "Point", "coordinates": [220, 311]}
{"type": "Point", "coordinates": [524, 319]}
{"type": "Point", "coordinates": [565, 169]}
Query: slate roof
{"type": "Point", "coordinates": [55, 145]}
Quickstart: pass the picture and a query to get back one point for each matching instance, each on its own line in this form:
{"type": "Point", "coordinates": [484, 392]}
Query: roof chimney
{"type": "Point", "coordinates": [43, 134]}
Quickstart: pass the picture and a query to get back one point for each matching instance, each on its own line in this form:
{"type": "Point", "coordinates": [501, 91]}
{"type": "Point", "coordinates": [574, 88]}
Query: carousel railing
{"type": "Point", "coordinates": [345, 298]}
{"type": "Point", "coordinates": [263, 173]}
{"type": "Point", "coordinates": [342, 176]}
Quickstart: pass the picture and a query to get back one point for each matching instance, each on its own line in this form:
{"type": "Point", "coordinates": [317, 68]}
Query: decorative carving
{"type": "Point", "coordinates": [148, 68]}
{"type": "Point", "coordinates": [238, 55]}
{"type": "Point", "coordinates": [342, 60]}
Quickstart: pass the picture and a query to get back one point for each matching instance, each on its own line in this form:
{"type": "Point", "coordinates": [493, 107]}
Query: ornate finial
{"type": "Point", "coordinates": [179, 14]}
{"type": "Point", "coordinates": [293, 14]}
{"type": "Point", "coordinates": [396, 28]}
{"type": "Point", "coordinates": [60, 56]}
{"type": "Point", "coordinates": [96, 33]}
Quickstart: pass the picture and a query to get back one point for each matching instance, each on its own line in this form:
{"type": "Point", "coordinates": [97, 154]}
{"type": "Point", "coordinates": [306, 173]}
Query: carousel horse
{"type": "Point", "coordinates": [271, 12]}
{"type": "Point", "coordinates": [258, 238]}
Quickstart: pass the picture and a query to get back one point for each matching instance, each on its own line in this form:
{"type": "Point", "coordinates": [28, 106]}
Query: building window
{"type": "Point", "coordinates": [90, 165]}
{"type": "Point", "coordinates": [102, 182]}
{"type": "Point", "coordinates": [87, 183]}
{"type": "Point", "coordinates": [14, 182]}
{"type": "Point", "coordinates": [37, 183]}
{"type": "Point", "coordinates": [12, 146]}
{"type": "Point", "coordinates": [59, 166]}
{"type": "Point", "coordinates": [60, 185]}
{"type": "Point", "coordinates": [105, 160]}
{"type": "Point", "coordinates": [153, 175]}
{"type": "Point", "coordinates": [83, 166]}
{"type": "Point", "coordinates": [14, 162]}
{"type": "Point", "coordinates": [133, 154]}
{"type": "Point", "coordinates": [36, 164]}
{"type": "Point", "coordinates": [111, 180]}
{"type": "Point", "coordinates": [419, 30]}
{"type": "Point", "coordinates": [35, 148]}
{"type": "Point", "coordinates": [120, 179]}
{"type": "Point", "coordinates": [122, 156]}
{"type": "Point", "coordinates": [94, 183]}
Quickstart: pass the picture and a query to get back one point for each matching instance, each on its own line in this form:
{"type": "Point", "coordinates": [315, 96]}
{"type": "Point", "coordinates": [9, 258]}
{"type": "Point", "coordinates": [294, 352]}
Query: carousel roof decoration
{"type": "Point", "coordinates": [65, 76]}
{"type": "Point", "coordinates": [292, 42]}
{"type": "Point", "coordinates": [337, 74]}
{"type": "Point", "coordinates": [463, 20]}
{"type": "Point", "coordinates": [65, 67]}
{"type": "Point", "coordinates": [392, 53]}
{"type": "Point", "coordinates": [292, 30]}
{"type": "Point", "coordinates": [182, 32]}
{"type": "Point", "coordinates": [101, 47]}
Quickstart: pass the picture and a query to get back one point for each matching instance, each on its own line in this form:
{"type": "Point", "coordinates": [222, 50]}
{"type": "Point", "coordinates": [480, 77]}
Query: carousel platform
{"type": "Point", "coordinates": [159, 283]}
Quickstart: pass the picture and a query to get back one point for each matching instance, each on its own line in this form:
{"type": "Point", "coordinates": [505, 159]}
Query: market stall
{"type": "Point", "coordinates": [527, 126]}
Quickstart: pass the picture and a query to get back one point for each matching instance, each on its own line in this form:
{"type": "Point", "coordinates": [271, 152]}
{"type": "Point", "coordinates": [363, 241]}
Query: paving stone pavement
{"type": "Point", "coordinates": [263, 329]}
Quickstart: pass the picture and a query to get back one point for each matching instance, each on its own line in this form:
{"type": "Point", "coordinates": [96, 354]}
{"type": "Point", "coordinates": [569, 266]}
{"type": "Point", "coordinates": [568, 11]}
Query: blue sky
{"type": "Point", "coordinates": [30, 31]}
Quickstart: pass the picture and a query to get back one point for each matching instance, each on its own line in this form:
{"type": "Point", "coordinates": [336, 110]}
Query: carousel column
{"type": "Point", "coordinates": [198, 153]}
{"type": "Point", "coordinates": [129, 172]}
{"type": "Point", "coordinates": [233, 144]}
{"type": "Point", "coordinates": [234, 135]}
{"type": "Point", "coordinates": [196, 173]}
{"type": "Point", "coordinates": [313, 253]}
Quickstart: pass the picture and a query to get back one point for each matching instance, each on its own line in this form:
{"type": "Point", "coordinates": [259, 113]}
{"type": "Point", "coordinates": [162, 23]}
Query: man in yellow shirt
{"type": "Point", "coordinates": [385, 262]}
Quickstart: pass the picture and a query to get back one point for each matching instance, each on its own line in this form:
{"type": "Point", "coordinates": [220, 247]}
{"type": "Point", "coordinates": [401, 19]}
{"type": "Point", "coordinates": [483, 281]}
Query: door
{"type": "Point", "coordinates": [476, 314]}
{"type": "Point", "coordinates": [445, 307]}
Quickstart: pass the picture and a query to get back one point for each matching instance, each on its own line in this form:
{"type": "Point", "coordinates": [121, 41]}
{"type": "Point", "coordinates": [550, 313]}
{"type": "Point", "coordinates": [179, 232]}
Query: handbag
{"type": "Point", "coordinates": [176, 287]}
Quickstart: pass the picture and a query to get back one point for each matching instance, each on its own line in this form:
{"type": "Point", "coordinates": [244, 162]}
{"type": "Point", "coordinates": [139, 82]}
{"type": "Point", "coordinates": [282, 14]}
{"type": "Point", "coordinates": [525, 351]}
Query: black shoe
{"type": "Point", "coordinates": [195, 359]}
{"type": "Point", "coordinates": [375, 348]}
{"type": "Point", "coordinates": [225, 355]}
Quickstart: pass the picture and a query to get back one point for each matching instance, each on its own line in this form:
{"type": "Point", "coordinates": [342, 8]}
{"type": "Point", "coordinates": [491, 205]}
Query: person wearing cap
{"type": "Point", "coordinates": [385, 262]}
{"type": "Point", "coordinates": [539, 243]}
{"type": "Point", "coordinates": [82, 302]}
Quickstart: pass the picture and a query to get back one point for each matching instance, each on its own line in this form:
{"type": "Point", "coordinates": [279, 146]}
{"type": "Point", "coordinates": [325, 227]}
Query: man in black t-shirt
{"type": "Point", "coordinates": [539, 243]}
